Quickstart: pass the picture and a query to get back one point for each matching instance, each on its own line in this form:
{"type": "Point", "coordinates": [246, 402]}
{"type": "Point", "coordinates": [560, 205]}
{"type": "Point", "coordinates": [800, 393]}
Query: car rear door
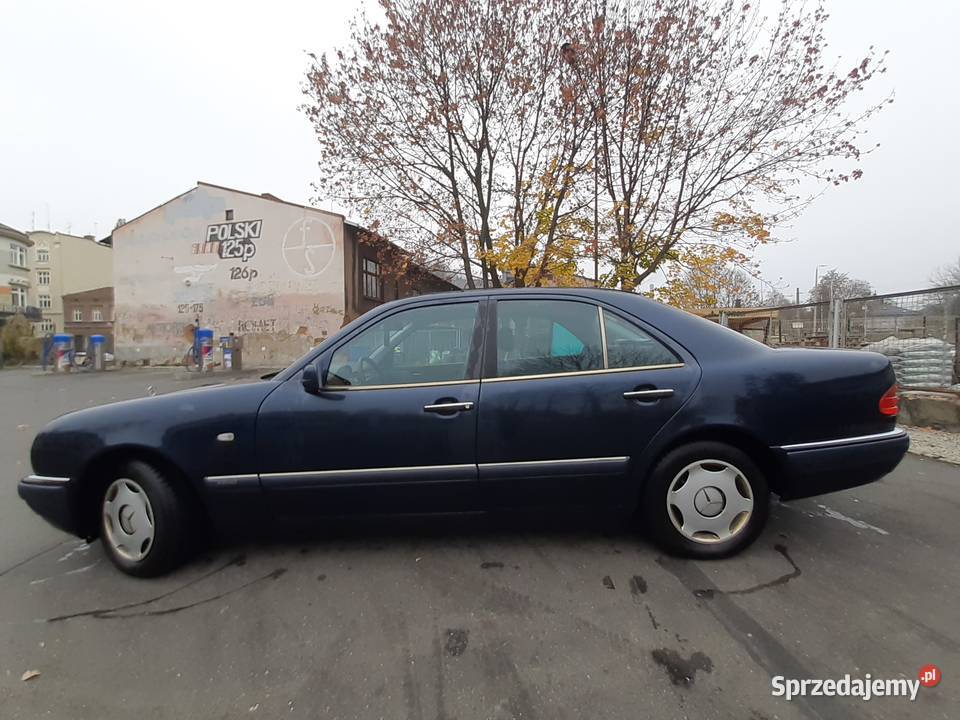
{"type": "Point", "coordinates": [572, 393]}
{"type": "Point", "coordinates": [392, 430]}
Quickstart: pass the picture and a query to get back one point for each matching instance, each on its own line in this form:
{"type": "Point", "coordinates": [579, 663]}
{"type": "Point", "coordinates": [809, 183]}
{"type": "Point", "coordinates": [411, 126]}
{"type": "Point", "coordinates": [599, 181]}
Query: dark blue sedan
{"type": "Point", "coordinates": [482, 401]}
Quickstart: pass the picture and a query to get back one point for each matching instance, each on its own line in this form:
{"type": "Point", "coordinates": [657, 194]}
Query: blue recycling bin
{"type": "Point", "coordinates": [205, 349]}
{"type": "Point", "coordinates": [97, 349]}
{"type": "Point", "coordinates": [62, 352]}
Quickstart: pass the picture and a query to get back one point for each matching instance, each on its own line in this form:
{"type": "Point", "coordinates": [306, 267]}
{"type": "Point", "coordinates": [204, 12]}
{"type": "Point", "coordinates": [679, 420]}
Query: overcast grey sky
{"type": "Point", "coordinates": [110, 108]}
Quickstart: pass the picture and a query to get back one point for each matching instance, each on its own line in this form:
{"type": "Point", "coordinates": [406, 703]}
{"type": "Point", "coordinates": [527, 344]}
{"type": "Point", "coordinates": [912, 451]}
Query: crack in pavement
{"type": "Point", "coordinates": [782, 580]}
{"type": "Point", "coordinates": [114, 612]}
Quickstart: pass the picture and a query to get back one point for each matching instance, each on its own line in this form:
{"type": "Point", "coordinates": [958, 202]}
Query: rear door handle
{"type": "Point", "coordinates": [448, 407]}
{"type": "Point", "coordinates": [654, 394]}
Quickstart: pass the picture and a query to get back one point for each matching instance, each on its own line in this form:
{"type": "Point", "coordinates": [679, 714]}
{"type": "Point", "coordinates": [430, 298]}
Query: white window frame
{"type": "Point", "coordinates": [97, 314]}
{"type": "Point", "coordinates": [18, 255]}
{"type": "Point", "coordinates": [43, 255]}
{"type": "Point", "coordinates": [18, 296]}
{"type": "Point", "coordinates": [44, 302]}
{"type": "Point", "coordinates": [78, 315]}
{"type": "Point", "coordinates": [43, 277]}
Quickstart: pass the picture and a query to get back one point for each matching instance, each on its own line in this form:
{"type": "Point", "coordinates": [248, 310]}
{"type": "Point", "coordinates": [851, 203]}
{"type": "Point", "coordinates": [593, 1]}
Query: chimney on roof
{"type": "Point", "coordinates": [89, 237]}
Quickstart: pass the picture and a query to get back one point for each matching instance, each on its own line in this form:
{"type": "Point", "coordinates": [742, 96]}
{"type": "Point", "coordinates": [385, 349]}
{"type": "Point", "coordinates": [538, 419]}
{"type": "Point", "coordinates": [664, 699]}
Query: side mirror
{"type": "Point", "coordinates": [311, 379]}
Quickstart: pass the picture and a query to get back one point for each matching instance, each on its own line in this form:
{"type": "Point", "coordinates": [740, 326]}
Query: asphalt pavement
{"type": "Point", "coordinates": [474, 618]}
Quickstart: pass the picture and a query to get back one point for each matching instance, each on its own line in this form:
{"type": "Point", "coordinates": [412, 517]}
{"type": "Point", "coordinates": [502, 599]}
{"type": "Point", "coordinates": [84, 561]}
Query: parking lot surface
{"type": "Point", "coordinates": [475, 618]}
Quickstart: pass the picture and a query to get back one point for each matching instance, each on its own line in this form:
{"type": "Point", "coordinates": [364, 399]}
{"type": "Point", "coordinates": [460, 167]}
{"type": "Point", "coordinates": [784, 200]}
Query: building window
{"type": "Point", "coordinates": [47, 326]}
{"type": "Point", "coordinates": [18, 297]}
{"type": "Point", "coordinates": [44, 302]}
{"type": "Point", "coordinates": [97, 315]}
{"type": "Point", "coordinates": [78, 315]}
{"type": "Point", "coordinates": [43, 277]}
{"type": "Point", "coordinates": [371, 279]}
{"type": "Point", "coordinates": [229, 215]}
{"type": "Point", "coordinates": [18, 255]}
{"type": "Point", "coordinates": [43, 255]}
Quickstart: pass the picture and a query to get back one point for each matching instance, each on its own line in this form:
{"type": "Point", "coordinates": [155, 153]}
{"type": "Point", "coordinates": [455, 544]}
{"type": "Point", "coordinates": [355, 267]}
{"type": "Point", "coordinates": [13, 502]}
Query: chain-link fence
{"type": "Point", "coordinates": [919, 331]}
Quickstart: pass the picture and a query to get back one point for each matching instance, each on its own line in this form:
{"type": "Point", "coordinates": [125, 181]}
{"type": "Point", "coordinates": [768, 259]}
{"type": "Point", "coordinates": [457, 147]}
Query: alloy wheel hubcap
{"type": "Point", "coordinates": [128, 519]}
{"type": "Point", "coordinates": [709, 501]}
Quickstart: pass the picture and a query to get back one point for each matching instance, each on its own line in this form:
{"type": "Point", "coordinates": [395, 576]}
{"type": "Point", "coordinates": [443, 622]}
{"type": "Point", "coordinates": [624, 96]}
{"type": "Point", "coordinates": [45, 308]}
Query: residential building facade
{"type": "Point", "coordinates": [89, 312]}
{"type": "Point", "coordinates": [64, 264]}
{"type": "Point", "coordinates": [16, 280]}
{"type": "Point", "coordinates": [281, 275]}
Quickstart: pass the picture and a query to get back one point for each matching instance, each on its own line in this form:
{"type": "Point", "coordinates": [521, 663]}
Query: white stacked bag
{"type": "Point", "coordinates": [918, 362]}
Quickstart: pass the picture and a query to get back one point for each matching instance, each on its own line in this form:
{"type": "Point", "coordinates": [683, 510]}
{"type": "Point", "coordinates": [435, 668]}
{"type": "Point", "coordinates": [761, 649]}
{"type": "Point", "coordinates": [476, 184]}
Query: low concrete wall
{"type": "Point", "coordinates": [930, 409]}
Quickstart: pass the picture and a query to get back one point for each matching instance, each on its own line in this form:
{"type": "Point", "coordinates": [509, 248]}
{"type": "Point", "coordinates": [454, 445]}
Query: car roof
{"type": "Point", "coordinates": [595, 293]}
{"type": "Point", "coordinates": [700, 336]}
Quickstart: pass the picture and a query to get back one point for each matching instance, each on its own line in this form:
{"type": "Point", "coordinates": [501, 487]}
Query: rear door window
{"type": "Point", "coordinates": [544, 337]}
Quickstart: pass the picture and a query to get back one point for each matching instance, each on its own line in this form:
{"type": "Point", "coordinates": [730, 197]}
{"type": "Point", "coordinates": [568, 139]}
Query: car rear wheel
{"type": "Point", "coordinates": [706, 499]}
{"type": "Point", "coordinates": [143, 521]}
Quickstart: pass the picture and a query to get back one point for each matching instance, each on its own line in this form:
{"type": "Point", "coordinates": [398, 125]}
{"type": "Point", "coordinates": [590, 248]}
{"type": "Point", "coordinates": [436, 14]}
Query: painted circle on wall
{"type": "Point", "coordinates": [308, 247]}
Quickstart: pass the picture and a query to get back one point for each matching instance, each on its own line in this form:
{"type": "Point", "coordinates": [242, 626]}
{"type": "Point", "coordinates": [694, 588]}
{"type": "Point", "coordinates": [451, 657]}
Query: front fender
{"type": "Point", "coordinates": [181, 427]}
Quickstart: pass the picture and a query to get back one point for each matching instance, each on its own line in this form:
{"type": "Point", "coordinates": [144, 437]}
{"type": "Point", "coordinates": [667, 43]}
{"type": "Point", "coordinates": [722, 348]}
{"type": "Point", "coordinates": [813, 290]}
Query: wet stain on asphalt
{"type": "Point", "coordinates": [608, 583]}
{"type": "Point", "coordinates": [638, 586]}
{"type": "Point", "coordinates": [782, 580]}
{"type": "Point", "coordinates": [682, 671]}
{"type": "Point", "coordinates": [490, 564]}
{"type": "Point", "coordinates": [456, 642]}
{"type": "Point", "coordinates": [118, 611]}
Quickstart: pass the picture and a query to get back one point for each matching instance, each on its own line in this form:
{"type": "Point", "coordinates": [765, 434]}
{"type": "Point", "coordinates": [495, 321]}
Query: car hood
{"type": "Point", "coordinates": [166, 423]}
{"type": "Point", "coordinates": [179, 404]}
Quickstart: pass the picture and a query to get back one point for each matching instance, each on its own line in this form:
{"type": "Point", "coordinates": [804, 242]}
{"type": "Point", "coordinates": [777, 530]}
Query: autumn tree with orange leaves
{"type": "Point", "coordinates": [503, 138]}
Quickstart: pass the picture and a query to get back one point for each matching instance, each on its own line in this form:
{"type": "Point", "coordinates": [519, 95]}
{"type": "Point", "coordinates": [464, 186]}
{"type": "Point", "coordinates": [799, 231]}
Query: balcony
{"type": "Point", "coordinates": [31, 313]}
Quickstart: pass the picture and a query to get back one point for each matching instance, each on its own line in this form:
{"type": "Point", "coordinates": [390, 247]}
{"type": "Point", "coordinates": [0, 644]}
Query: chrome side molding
{"type": "Point", "coordinates": [45, 480]}
{"type": "Point", "coordinates": [889, 435]}
{"type": "Point", "coordinates": [222, 481]}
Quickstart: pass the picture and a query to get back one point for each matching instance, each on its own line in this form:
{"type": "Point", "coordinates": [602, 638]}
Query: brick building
{"type": "Point", "coordinates": [89, 312]}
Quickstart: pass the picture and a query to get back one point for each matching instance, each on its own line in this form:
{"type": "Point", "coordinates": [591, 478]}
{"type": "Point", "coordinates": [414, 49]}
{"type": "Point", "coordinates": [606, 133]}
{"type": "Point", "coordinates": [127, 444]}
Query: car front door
{"type": "Point", "coordinates": [572, 392]}
{"type": "Point", "coordinates": [392, 428]}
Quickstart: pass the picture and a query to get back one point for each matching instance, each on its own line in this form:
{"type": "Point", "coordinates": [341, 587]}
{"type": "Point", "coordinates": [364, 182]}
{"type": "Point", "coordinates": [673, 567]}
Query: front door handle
{"type": "Point", "coordinates": [654, 394]}
{"type": "Point", "coordinates": [448, 407]}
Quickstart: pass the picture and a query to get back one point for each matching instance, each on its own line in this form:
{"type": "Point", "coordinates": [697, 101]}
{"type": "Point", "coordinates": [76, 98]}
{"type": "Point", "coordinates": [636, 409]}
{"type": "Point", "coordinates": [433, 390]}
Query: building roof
{"type": "Point", "coordinates": [80, 294]}
{"type": "Point", "coordinates": [57, 234]}
{"type": "Point", "coordinates": [14, 234]}
{"type": "Point", "coordinates": [262, 196]}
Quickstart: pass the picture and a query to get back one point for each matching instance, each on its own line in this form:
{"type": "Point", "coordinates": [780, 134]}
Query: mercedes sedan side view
{"type": "Point", "coordinates": [482, 401]}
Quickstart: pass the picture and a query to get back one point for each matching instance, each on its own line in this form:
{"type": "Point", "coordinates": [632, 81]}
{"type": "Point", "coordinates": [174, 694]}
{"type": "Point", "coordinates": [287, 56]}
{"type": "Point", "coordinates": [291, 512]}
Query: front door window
{"type": "Point", "coordinates": [421, 345]}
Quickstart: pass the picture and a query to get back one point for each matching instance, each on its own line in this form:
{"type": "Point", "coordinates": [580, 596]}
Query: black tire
{"type": "Point", "coordinates": [170, 513]}
{"type": "Point", "coordinates": [656, 517]}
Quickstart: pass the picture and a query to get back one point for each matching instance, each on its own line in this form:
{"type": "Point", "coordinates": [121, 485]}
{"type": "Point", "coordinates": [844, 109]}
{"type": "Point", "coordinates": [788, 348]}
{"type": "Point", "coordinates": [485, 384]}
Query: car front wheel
{"type": "Point", "coordinates": [143, 521]}
{"type": "Point", "coordinates": [706, 499]}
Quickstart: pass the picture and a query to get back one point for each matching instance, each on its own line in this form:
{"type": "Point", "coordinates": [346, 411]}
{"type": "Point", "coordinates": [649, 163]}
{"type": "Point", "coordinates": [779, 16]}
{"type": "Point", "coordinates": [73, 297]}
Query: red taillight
{"type": "Point", "coordinates": [890, 402]}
